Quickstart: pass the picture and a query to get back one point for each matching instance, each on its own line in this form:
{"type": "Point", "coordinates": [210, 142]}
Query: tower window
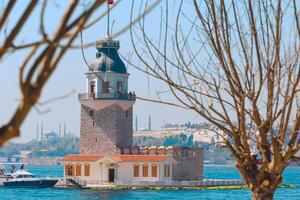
{"type": "Point", "coordinates": [119, 86]}
{"type": "Point", "coordinates": [105, 86]}
{"type": "Point", "coordinates": [91, 113]}
{"type": "Point", "coordinates": [126, 113]}
{"type": "Point", "coordinates": [92, 87]}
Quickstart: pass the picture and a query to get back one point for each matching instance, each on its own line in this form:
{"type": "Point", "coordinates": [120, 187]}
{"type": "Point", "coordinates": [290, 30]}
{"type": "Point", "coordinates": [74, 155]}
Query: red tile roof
{"type": "Point", "coordinates": [82, 157]}
{"type": "Point", "coordinates": [117, 158]}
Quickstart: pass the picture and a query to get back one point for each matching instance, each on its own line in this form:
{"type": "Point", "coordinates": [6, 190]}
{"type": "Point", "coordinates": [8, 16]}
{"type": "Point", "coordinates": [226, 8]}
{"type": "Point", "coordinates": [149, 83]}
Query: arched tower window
{"type": "Point", "coordinates": [91, 113]}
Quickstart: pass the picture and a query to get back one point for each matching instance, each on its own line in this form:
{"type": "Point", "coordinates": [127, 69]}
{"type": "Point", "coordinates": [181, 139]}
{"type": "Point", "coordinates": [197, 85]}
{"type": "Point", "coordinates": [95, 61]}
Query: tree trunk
{"type": "Point", "coordinates": [260, 193]}
{"type": "Point", "coordinates": [263, 186]}
{"type": "Point", "coordinates": [261, 183]}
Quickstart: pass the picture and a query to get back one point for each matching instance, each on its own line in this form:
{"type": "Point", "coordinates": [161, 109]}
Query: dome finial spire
{"type": "Point", "coordinates": [107, 18]}
{"type": "Point", "coordinates": [108, 10]}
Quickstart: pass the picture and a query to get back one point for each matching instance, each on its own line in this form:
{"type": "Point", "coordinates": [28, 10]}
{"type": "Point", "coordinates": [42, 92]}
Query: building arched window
{"type": "Point", "coordinates": [87, 169]}
{"type": "Point", "coordinates": [69, 169]}
{"type": "Point", "coordinates": [78, 169]}
{"type": "Point", "coordinates": [145, 170]}
{"type": "Point", "coordinates": [167, 170]}
{"type": "Point", "coordinates": [154, 170]}
{"type": "Point", "coordinates": [136, 170]}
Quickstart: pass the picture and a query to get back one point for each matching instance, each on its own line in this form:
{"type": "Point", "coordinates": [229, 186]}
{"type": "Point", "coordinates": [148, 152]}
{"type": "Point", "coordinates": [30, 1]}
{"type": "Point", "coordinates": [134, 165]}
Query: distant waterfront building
{"type": "Point", "coordinates": [203, 135]}
{"type": "Point", "coordinates": [106, 133]}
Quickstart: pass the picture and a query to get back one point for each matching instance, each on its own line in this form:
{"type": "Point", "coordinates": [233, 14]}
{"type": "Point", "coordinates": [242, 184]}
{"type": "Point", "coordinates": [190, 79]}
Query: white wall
{"type": "Point", "coordinates": [98, 172]}
{"type": "Point", "coordinates": [94, 171]}
{"type": "Point", "coordinates": [123, 171]}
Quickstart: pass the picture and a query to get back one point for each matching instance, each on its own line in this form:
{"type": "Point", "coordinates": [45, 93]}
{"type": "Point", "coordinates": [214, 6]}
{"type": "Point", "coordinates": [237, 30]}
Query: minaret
{"type": "Point", "coordinates": [42, 132]}
{"type": "Point", "coordinates": [136, 124]}
{"type": "Point", "coordinates": [106, 106]}
{"type": "Point", "coordinates": [37, 131]}
{"type": "Point", "coordinates": [59, 130]}
{"type": "Point", "coordinates": [64, 129]}
{"type": "Point", "coordinates": [149, 123]}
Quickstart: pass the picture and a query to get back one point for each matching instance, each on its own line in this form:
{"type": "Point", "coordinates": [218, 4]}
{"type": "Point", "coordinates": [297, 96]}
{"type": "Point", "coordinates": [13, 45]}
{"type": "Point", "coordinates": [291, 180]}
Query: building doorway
{"type": "Point", "coordinates": [111, 175]}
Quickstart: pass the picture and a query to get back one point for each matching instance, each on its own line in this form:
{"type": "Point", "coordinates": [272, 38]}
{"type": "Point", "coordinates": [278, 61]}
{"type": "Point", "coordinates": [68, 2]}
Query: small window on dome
{"type": "Point", "coordinates": [98, 54]}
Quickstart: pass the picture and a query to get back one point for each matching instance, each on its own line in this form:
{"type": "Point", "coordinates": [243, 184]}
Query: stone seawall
{"type": "Point", "coordinates": [41, 160]}
{"type": "Point", "coordinates": [202, 183]}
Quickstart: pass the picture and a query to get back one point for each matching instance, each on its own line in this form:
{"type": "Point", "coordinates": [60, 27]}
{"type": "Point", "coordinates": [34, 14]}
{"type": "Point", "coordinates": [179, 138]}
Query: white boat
{"type": "Point", "coordinates": [23, 178]}
{"type": "Point", "coordinates": [5, 172]}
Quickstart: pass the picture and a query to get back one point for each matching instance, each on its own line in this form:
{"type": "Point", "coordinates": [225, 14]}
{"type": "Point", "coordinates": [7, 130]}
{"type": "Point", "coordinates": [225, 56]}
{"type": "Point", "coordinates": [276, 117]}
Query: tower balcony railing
{"type": "Point", "coordinates": [117, 96]}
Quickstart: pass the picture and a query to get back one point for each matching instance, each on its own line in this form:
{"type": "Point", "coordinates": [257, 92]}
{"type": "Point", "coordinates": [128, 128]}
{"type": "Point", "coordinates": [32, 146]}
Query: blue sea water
{"type": "Point", "coordinates": [291, 176]}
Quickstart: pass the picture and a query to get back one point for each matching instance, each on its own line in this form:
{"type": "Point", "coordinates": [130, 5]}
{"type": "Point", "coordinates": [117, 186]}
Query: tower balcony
{"type": "Point", "coordinates": [106, 96]}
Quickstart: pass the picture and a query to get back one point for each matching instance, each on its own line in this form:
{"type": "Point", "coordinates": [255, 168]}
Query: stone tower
{"type": "Point", "coordinates": [106, 107]}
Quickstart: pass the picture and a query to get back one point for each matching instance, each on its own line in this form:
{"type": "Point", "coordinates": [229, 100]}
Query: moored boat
{"type": "Point", "coordinates": [6, 169]}
{"type": "Point", "coordinates": [22, 178]}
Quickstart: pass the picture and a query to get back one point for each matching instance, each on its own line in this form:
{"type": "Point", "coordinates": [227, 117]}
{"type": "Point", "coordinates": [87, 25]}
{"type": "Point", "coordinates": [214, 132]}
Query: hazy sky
{"type": "Point", "coordinates": [70, 76]}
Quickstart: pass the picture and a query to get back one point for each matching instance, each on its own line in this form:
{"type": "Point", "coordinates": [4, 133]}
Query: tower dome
{"type": "Point", "coordinates": [107, 58]}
